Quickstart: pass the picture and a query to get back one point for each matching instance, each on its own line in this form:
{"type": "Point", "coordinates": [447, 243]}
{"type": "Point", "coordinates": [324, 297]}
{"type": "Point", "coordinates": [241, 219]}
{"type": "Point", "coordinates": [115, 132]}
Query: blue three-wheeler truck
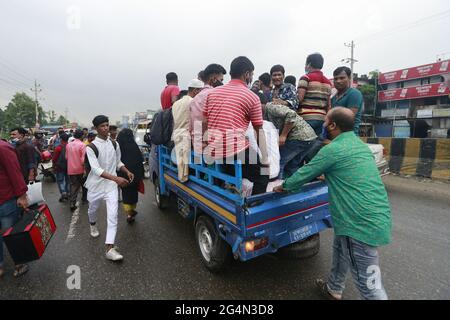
{"type": "Point", "coordinates": [230, 225]}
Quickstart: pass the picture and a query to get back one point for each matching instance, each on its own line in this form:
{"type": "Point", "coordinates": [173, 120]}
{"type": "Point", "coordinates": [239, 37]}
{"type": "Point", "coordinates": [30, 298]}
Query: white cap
{"type": "Point", "coordinates": [195, 83]}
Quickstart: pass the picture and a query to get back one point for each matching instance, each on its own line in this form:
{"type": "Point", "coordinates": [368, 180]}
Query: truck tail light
{"type": "Point", "coordinates": [254, 245]}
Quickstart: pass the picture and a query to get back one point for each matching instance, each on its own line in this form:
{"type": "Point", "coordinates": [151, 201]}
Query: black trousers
{"type": "Point", "coordinates": [250, 171]}
{"type": "Point", "coordinates": [77, 182]}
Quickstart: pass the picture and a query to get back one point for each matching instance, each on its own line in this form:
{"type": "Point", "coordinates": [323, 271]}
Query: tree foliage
{"type": "Point", "coordinates": [21, 112]}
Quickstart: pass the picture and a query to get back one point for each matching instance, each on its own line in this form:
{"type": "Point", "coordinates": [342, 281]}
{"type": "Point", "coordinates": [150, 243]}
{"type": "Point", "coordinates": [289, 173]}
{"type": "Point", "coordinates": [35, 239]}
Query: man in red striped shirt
{"type": "Point", "coordinates": [228, 111]}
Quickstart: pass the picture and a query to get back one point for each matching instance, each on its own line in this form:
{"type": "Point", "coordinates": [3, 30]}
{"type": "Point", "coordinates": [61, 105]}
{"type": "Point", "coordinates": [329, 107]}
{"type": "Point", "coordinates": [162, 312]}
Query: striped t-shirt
{"type": "Point", "coordinates": [229, 109]}
{"type": "Point", "coordinates": [318, 91]}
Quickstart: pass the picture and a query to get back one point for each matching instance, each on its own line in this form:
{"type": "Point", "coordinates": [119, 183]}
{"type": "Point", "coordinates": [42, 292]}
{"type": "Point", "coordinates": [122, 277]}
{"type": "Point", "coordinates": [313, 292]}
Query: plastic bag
{"type": "Point", "coordinates": [273, 149]}
{"type": "Point", "coordinates": [34, 193]}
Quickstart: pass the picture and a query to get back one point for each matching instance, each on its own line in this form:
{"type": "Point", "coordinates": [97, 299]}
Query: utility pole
{"type": "Point", "coordinates": [352, 59]}
{"type": "Point", "coordinates": [66, 115]}
{"type": "Point", "coordinates": [36, 90]}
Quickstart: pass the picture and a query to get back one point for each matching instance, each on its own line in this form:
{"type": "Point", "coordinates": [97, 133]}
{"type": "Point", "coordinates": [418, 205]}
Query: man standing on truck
{"type": "Point", "coordinates": [359, 207]}
{"type": "Point", "coordinates": [282, 93]}
{"type": "Point", "coordinates": [171, 91]}
{"type": "Point", "coordinates": [314, 92]}
{"type": "Point", "coordinates": [104, 159]}
{"type": "Point", "coordinates": [229, 109]}
{"type": "Point", "coordinates": [181, 125]}
{"type": "Point", "coordinates": [347, 96]}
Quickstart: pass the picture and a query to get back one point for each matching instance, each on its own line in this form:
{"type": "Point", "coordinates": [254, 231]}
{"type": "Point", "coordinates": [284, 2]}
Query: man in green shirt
{"type": "Point", "coordinates": [347, 96]}
{"type": "Point", "coordinates": [358, 204]}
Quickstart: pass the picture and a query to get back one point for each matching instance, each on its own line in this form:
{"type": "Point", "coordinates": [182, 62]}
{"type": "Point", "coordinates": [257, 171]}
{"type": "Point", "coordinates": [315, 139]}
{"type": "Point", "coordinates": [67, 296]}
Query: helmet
{"type": "Point", "coordinates": [46, 156]}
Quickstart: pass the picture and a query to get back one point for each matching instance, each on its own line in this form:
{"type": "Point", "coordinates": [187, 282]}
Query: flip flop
{"type": "Point", "coordinates": [20, 270]}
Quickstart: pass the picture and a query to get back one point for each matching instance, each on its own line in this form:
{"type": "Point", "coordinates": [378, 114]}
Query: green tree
{"type": "Point", "coordinates": [62, 121]}
{"type": "Point", "coordinates": [374, 74]}
{"type": "Point", "coordinates": [21, 111]}
{"type": "Point", "coordinates": [368, 91]}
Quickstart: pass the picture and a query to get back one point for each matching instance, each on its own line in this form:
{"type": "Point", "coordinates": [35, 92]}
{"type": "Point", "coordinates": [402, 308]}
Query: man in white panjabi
{"type": "Point", "coordinates": [104, 159]}
{"type": "Point", "coordinates": [181, 126]}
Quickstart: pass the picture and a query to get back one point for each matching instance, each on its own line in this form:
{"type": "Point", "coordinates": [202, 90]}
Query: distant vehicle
{"type": "Point", "coordinates": [141, 130]}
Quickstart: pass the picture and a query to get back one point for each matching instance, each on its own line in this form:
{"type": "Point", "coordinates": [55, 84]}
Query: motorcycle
{"type": "Point", "coordinates": [45, 167]}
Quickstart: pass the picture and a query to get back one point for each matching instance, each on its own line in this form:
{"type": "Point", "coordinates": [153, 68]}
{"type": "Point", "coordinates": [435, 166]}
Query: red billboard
{"type": "Point", "coordinates": [431, 90]}
{"type": "Point", "coordinates": [428, 70]}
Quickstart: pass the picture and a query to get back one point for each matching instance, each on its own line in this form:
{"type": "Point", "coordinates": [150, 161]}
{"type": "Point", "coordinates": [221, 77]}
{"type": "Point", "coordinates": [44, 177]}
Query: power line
{"type": "Point", "coordinates": [15, 70]}
{"type": "Point", "coordinates": [405, 27]}
{"type": "Point", "coordinates": [14, 81]}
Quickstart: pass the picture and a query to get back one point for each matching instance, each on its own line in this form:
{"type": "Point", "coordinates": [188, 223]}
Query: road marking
{"type": "Point", "coordinates": [75, 217]}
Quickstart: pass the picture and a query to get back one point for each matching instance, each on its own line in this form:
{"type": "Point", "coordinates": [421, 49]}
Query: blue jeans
{"type": "Point", "coordinates": [317, 126]}
{"type": "Point", "coordinates": [362, 260]}
{"type": "Point", "coordinates": [9, 215]}
{"type": "Point", "coordinates": [292, 154]}
{"type": "Point", "coordinates": [63, 181]}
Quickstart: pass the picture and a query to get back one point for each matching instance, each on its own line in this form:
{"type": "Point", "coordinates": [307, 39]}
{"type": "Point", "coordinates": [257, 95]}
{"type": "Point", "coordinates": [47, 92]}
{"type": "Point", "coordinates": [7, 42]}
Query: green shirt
{"type": "Point", "coordinates": [359, 204]}
{"type": "Point", "coordinates": [352, 98]}
{"type": "Point", "coordinates": [279, 115]}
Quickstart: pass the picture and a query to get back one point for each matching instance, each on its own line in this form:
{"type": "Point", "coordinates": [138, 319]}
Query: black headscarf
{"type": "Point", "coordinates": [131, 154]}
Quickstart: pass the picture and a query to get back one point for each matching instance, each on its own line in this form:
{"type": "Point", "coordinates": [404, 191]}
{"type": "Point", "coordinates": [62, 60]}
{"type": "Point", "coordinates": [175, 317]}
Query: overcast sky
{"type": "Point", "coordinates": [111, 56]}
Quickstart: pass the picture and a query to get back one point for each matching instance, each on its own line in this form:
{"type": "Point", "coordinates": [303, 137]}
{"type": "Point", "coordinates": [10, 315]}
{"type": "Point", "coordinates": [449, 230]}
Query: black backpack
{"type": "Point", "coordinates": [87, 165]}
{"type": "Point", "coordinates": [61, 163]}
{"type": "Point", "coordinates": [162, 128]}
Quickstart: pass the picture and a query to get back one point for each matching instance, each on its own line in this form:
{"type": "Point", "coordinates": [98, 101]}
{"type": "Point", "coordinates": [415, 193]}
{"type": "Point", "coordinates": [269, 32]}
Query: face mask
{"type": "Point", "coordinates": [325, 135]}
{"type": "Point", "coordinates": [14, 141]}
{"type": "Point", "coordinates": [249, 83]}
{"type": "Point", "coordinates": [217, 83]}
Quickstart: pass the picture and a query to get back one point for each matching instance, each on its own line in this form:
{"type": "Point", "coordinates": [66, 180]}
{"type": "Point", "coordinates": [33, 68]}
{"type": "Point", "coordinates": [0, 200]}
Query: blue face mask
{"type": "Point", "coordinates": [325, 135]}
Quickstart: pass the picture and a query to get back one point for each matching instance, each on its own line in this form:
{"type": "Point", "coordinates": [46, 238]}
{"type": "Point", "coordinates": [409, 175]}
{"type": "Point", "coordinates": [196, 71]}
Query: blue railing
{"type": "Point", "coordinates": [211, 177]}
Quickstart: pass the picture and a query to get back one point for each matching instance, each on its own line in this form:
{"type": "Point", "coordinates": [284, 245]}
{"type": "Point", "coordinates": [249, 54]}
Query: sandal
{"type": "Point", "coordinates": [323, 288]}
{"type": "Point", "coordinates": [20, 270]}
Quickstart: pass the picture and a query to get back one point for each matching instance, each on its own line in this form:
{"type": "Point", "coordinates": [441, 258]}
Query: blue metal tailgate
{"type": "Point", "coordinates": [287, 218]}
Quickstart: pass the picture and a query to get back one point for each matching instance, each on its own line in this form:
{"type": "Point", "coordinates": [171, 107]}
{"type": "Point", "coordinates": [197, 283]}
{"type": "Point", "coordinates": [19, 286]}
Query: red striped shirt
{"type": "Point", "coordinates": [229, 109]}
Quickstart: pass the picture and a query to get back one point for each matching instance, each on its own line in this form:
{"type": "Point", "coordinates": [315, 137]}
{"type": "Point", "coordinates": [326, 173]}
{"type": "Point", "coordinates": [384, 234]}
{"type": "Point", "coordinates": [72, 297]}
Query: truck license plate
{"type": "Point", "coordinates": [303, 232]}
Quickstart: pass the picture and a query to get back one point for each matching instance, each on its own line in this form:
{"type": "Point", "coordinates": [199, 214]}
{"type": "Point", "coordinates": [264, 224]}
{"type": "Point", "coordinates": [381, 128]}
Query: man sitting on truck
{"type": "Point", "coordinates": [213, 78]}
{"type": "Point", "coordinates": [228, 111]}
{"type": "Point", "coordinates": [359, 206]}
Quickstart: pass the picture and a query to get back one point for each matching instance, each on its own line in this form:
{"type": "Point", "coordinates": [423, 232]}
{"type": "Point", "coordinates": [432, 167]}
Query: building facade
{"type": "Point", "coordinates": [415, 102]}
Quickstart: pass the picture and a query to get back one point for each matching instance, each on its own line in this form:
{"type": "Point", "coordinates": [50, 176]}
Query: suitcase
{"type": "Point", "coordinates": [28, 238]}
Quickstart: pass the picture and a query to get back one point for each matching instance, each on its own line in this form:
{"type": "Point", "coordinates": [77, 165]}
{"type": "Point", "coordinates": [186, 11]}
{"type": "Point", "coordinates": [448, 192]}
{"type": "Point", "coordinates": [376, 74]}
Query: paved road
{"type": "Point", "coordinates": [161, 261]}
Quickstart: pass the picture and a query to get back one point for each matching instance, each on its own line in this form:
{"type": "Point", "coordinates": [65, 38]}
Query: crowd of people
{"type": "Point", "coordinates": [317, 136]}
{"type": "Point", "coordinates": [318, 123]}
{"type": "Point", "coordinates": [297, 110]}
{"type": "Point", "coordinates": [101, 164]}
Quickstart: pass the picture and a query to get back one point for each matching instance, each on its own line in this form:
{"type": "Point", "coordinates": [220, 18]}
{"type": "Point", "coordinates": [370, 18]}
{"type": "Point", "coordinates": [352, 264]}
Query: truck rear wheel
{"type": "Point", "coordinates": [162, 201]}
{"type": "Point", "coordinates": [215, 252]}
{"type": "Point", "coordinates": [301, 250]}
